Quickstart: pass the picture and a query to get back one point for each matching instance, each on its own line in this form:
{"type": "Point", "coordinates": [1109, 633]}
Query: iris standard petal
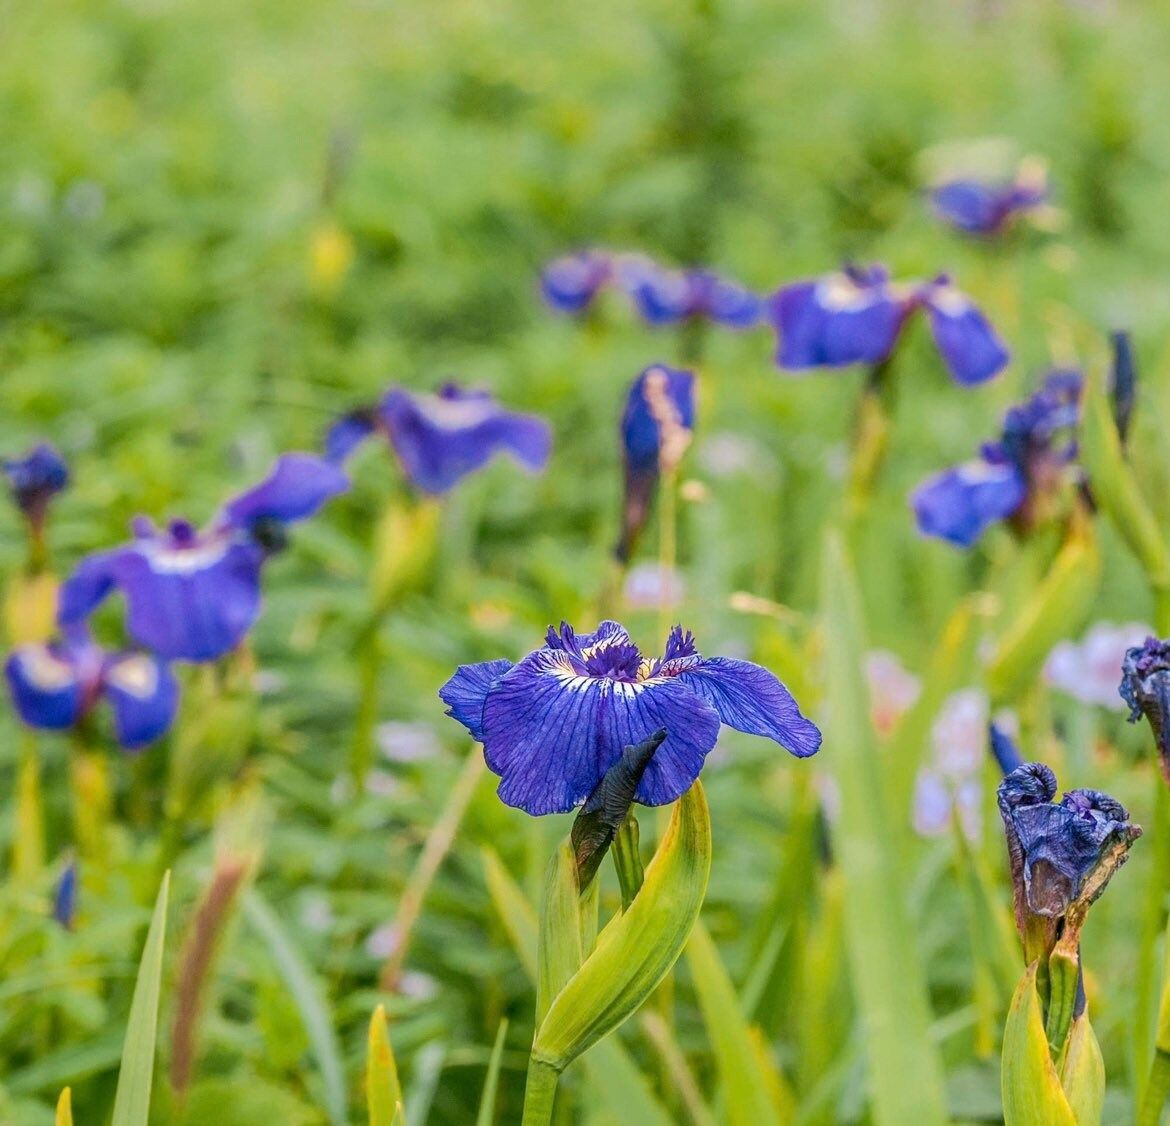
{"type": "Point", "coordinates": [465, 693]}
{"type": "Point", "coordinates": [836, 321]}
{"type": "Point", "coordinates": [752, 699]}
{"type": "Point", "coordinates": [551, 734]}
{"type": "Point", "coordinates": [46, 687]}
{"type": "Point", "coordinates": [960, 503]}
{"type": "Point", "coordinates": [731, 305]}
{"type": "Point", "coordinates": [143, 695]}
{"type": "Point", "coordinates": [191, 603]}
{"type": "Point", "coordinates": [965, 339]}
{"type": "Point", "coordinates": [297, 485]}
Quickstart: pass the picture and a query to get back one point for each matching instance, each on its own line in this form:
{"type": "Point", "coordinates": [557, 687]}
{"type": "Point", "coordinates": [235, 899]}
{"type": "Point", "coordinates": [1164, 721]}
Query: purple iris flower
{"type": "Point", "coordinates": [553, 724]}
{"type": "Point", "coordinates": [665, 297]}
{"type": "Point", "coordinates": [192, 595]}
{"type": "Point", "coordinates": [55, 686]}
{"type": "Point", "coordinates": [656, 429]}
{"type": "Point", "coordinates": [857, 317]}
{"type": "Point", "coordinates": [985, 209]}
{"type": "Point", "coordinates": [1145, 687]}
{"type": "Point", "coordinates": [35, 479]}
{"type": "Point", "coordinates": [439, 439]}
{"type": "Point", "coordinates": [570, 283]}
{"type": "Point", "coordinates": [1013, 477]}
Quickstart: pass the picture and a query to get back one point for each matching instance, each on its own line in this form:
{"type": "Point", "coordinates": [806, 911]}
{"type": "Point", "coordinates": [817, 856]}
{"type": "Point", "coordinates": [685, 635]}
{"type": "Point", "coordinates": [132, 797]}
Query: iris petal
{"type": "Point", "coordinates": [296, 486]}
{"type": "Point", "coordinates": [751, 699]}
{"type": "Point", "coordinates": [465, 693]}
{"type": "Point", "coordinates": [143, 695]}
{"type": "Point", "coordinates": [959, 504]}
{"type": "Point", "coordinates": [551, 735]}
{"type": "Point", "coordinates": [347, 433]}
{"type": "Point", "coordinates": [965, 339]}
{"type": "Point", "coordinates": [46, 687]}
{"type": "Point", "coordinates": [88, 586]}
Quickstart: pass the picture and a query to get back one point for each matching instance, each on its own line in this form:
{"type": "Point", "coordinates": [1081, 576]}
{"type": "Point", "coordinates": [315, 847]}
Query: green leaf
{"type": "Point", "coordinates": [136, 1075]}
{"type": "Point", "coordinates": [1056, 608]}
{"type": "Point", "coordinates": [560, 951]}
{"type": "Point", "coordinates": [637, 948]}
{"type": "Point", "coordinates": [515, 911]}
{"type": "Point", "coordinates": [487, 1101]}
{"type": "Point", "coordinates": [746, 1087]}
{"type": "Point", "coordinates": [905, 1072]}
{"type": "Point", "coordinates": [1083, 1073]}
{"type": "Point", "coordinates": [1032, 1094]}
{"type": "Point", "coordinates": [308, 996]}
{"type": "Point", "coordinates": [383, 1091]}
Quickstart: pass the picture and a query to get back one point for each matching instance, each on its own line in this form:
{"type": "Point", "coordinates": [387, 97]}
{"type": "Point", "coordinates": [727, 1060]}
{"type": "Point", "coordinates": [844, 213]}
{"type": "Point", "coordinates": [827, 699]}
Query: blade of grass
{"type": "Point", "coordinates": [383, 1091]}
{"type": "Point", "coordinates": [487, 1101]}
{"type": "Point", "coordinates": [905, 1072]}
{"type": "Point", "coordinates": [307, 995]}
{"type": "Point", "coordinates": [136, 1075]}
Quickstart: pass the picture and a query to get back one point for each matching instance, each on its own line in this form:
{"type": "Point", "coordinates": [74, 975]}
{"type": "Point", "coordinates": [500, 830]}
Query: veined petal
{"type": "Point", "coordinates": [959, 504]}
{"type": "Point", "coordinates": [465, 693]}
{"type": "Point", "coordinates": [965, 339]}
{"type": "Point", "coordinates": [46, 687]}
{"type": "Point", "coordinates": [296, 486]}
{"type": "Point", "coordinates": [751, 699]}
{"type": "Point", "coordinates": [143, 695]}
{"type": "Point", "coordinates": [551, 734]}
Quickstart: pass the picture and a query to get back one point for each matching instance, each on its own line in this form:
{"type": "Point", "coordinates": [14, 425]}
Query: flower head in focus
{"type": "Point", "coordinates": [1016, 477]}
{"type": "Point", "coordinates": [192, 595]}
{"type": "Point", "coordinates": [441, 438]}
{"type": "Point", "coordinates": [33, 481]}
{"type": "Point", "coordinates": [55, 686]}
{"type": "Point", "coordinates": [1145, 687]}
{"type": "Point", "coordinates": [856, 316]}
{"type": "Point", "coordinates": [553, 724]}
{"type": "Point", "coordinates": [987, 208]}
{"type": "Point", "coordinates": [656, 428]}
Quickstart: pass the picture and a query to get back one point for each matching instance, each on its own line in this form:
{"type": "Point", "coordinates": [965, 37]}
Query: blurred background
{"type": "Point", "coordinates": [224, 224]}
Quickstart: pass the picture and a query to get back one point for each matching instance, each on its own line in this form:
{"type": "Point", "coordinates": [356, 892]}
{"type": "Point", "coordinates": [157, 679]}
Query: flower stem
{"type": "Point", "coordinates": [540, 1093]}
{"type": "Point", "coordinates": [28, 839]}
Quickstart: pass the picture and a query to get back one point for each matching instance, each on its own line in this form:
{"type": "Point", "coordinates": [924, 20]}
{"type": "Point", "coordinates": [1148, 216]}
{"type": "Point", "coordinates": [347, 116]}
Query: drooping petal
{"type": "Point", "coordinates": [88, 586]}
{"type": "Point", "coordinates": [965, 338]}
{"type": "Point", "coordinates": [725, 302]}
{"type": "Point", "coordinates": [441, 438]}
{"type": "Point", "coordinates": [46, 685]}
{"type": "Point", "coordinates": [570, 283]}
{"type": "Point", "coordinates": [662, 297]}
{"type": "Point", "coordinates": [347, 433]}
{"type": "Point", "coordinates": [297, 485]}
{"type": "Point", "coordinates": [751, 699]}
{"type": "Point", "coordinates": [972, 207]}
{"type": "Point", "coordinates": [960, 503]}
{"type": "Point", "coordinates": [551, 734]}
{"type": "Point", "coordinates": [143, 695]}
{"type": "Point", "coordinates": [465, 693]}
{"type": "Point", "coordinates": [839, 320]}
{"type": "Point", "coordinates": [191, 603]}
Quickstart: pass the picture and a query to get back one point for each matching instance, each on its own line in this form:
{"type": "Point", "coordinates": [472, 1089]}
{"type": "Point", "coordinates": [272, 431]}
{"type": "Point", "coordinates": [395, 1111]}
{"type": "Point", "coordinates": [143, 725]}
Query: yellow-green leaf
{"type": "Point", "coordinates": [559, 949]}
{"type": "Point", "coordinates": [1083, 1073]}
{"type": "Point", "coordinates": [1032, 1094]}
{"type": "Point", "coordinates": [65, 1109]}
{"type": "Point", "coordinates": [637, 948]}
{"type": "Point", "coordinates": [383, 1091]}
{"type": "Point", "coordinates": [487, 1100]}
{"type": "Point", "coordinates": [514, 910]}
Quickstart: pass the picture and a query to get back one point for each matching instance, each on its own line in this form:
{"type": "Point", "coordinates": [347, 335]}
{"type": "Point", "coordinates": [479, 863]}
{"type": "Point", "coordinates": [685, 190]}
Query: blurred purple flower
{"type": "Point", "coordinates": [1015, 477]}
{"type": "Point", "coordinates": [1088, 670]}
{"type": "Point", "coordinates": [192, 595]}
{"type": "Point", "coordinates": [33, 481]}
{"type": "Point", "coordinates": [65, 896]}
{"type": "Point", "coordinates": [857, 316]}
{"type": "Point", "coordinates": [554, 723]}
{"type": "Point", "coordinates": [439, 439]}
{"type": "Point", "coordinates": [55, 686]}
{"type": "Point", "coordinates": [570, 283]}
{"type": "Point", "coordinates": [986, 209]}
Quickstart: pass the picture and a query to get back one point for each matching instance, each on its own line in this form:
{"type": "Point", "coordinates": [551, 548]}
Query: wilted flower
{"type": "Point", "coordinates": [656, 429]}
{"type": "Point", "coordinates": [1062, 853]}
{"type": "Point", "coordinates": [1145, 687]}
{"type": "Point", "coordinates": [986, 209]}
{"type": "Point", "coordinates": [192, 595]}
{"type": "Point", "coordinates": [857, 316]}
{"type": "Point", "coordinates": [439, 439]}
{"type": "Point", "coordinates": [55, 686]}
{"type": "Point", "coordinates": [34, 480]}
{"type": "Point", "coordinates": [65, 896]}
{"type": "Point", "coordinates": [662, 296]}
{"type": "Point", "coordinates": [1015, 477]}
{"type": "Point", "coordinates": [1087, 671]}
{"type": "Point", "coordinates": [552, 725]}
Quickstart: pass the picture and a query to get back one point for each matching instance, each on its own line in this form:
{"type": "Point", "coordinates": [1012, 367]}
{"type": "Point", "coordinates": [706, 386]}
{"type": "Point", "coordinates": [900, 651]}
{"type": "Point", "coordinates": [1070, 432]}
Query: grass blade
{"type": "Point", "coordinates": [383, 1091]}
{"type": "Point", "coordinates": [136, 1075]}
{"type": "Point", "coordinates": [308, 997]}
{"type": "Point", "coordinates": [487, 1101]}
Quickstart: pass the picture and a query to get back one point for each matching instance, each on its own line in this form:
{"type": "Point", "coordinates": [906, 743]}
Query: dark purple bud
{"type": "Point", "coordinates": [1145, 687]}
{"type": "Point", "coordinates": [1006, 753]}
{"type": "Point", "coordinates": [35, 479]}
{"type": "Point", "coordinates": [606, 808]}
{"type": "Point", "coordinates": [65, 896]}
{"type": "Point", "coordinates": [1123, 383]}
